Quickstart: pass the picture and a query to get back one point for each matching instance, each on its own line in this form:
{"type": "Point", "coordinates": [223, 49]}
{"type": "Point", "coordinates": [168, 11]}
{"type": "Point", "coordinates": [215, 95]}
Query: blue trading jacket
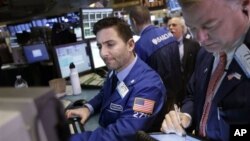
{"type": "Point", "coordinates": [153, 38]}
{"type": "Point", "coordinates": [120, 122]}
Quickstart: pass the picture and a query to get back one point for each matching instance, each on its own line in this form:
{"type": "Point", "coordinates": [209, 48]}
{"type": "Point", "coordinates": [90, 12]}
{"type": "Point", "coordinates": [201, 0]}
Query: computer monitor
{"type": "Point", "coordinates": [35, 53]}
{"type": "Point", "coordinates": [89, 16]}
{"type": "Point", "coordinates": [74, 52]}
{"type": "Point", "coordinates": [13, 42]}
{"type": "Point", "coordinates": [95, 55]}
{"type": "Point", "coordinates": [173, 5]}
{"type": "Point", "coordinates": [78, 32]}
{"type": "Point", "coordinates": [41, 112]}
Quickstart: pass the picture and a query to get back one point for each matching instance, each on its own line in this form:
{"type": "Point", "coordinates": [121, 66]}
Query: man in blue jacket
{"type": "Point", "coordinates": [138, 96]}
{"type": "Point", "coordinates": [219, 97]}
{"type": "Point", "coordinates": [157, 47]}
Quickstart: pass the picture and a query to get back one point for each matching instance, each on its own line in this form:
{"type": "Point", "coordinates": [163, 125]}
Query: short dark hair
{"type": "Point", "coordinates": [166, 19]}
{"type": "Point", "coordinates": [122, 27]}
{"type": "Point", "coordinates": [140, 14]}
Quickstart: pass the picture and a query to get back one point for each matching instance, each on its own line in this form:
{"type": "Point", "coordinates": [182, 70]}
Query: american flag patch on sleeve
{"type": "Point", "coordinates": [143, 105]}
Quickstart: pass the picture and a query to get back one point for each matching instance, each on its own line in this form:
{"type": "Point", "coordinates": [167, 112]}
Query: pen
{"type": "Point", "coordinates": [177, 111]}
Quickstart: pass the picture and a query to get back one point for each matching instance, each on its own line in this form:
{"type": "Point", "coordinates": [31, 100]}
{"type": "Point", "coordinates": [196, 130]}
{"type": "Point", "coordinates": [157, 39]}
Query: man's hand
{"type": "Point", "coordinates": [171, 123]}
{"type": "Point", "coordinates": [83, 113]}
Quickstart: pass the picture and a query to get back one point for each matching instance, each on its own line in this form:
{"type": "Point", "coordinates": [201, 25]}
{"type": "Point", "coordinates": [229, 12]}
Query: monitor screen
{"type": "Point", "coordinates": [76, 53]}
{"type": "Point", "coordinates": [13, 42]}
{"type": "Point", "coordinates": [40, 111]}
{"type": "Point", "coordinates": [35, 53]}
{"type": "Point", "coordinates": [173, 137]}
{"type": "Point", "coordinates": [78, 32]}
{"type": "Point", "coordinates": [90, 16]}
{"type": "Point", "coordinates": [173, 5]}
{"type": "Point", "coordinates": [12, 30]}
{"type": "Point", "coordinates": [95, 54]}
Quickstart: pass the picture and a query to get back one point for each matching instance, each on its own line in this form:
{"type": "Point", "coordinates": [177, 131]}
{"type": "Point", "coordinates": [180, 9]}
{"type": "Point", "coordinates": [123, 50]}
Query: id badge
{"type": "Point", "coordinates": [122, 89]}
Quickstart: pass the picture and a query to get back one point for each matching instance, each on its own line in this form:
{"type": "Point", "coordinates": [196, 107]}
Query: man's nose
{"type": "Point", "coordinates": [201, 35]}
{"type": "Point", "coordinates": [103, 51]}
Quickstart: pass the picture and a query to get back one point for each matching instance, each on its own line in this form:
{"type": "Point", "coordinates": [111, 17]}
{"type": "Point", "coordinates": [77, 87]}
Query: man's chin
{"type": "Point", "coordinates": [110, 67]}
{"type": "Point", "coordinates": [212, 49]}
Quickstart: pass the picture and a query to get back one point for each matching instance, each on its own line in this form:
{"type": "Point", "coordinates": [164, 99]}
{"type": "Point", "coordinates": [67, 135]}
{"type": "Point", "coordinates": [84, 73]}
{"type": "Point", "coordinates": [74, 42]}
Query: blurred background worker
{"type": "Point", "coordinates": [61, 34]}
{"type": "Point", "coordinates": [155, 47]}
{"type": "Point", "coordinates": [165, 21]}
{"type": "Point", "coordinates": [128, 101]}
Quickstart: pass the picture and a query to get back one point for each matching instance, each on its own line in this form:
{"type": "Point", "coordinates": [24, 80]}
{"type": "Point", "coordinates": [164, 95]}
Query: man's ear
{"type": "Point", "coordinates": [245, 6]}
{"type": "Point", "coordinates": [131, 44]}
{"type": "Point", "coordinates": [245, 2]}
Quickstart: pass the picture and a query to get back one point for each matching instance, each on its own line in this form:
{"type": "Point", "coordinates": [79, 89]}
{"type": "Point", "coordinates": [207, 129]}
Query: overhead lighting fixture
{"type": "Point", "coordinates": [92, 5]}
{"type": "Point", "coordinates": [96, 4]}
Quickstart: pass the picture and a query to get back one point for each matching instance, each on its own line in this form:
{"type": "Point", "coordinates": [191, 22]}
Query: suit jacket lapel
{"type": "Point", "coordinates": [228, 84]}
{"type": "Point", "coordinates": [207, 70]}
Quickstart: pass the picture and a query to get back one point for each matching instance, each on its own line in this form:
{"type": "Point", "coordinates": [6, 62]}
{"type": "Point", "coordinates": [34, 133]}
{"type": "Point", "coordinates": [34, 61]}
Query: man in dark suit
{"type": "Point", "coordinates": [184, 60]}
{"type": "Point", "coordinates": [218, 98]}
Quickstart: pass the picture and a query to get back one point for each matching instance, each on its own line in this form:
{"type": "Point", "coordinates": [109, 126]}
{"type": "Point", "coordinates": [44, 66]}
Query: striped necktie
{"type": "Point", "coordinates": [215, 78]}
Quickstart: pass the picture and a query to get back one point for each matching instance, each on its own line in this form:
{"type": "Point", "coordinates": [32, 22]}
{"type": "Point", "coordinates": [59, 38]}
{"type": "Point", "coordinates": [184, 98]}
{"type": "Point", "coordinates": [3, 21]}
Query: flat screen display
{"type": "Point", "coordinates": [90, 16]}
{"type": "Point", "coordinates": [173, 137]}
{"type": "Point", "coordinates": [78, 32]}
{"type": "Point", "coordinates": [95, 53]}
{"type": "Point", "coordinates": [35, 53]}
{"type": "Point", "coordinates": [173, 5]}
{"type": "Point", "coordinates": [76, 53]}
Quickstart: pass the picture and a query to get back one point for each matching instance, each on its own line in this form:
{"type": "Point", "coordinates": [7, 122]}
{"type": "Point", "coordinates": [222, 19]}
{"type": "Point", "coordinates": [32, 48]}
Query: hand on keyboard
{"type": "Point", "coordinates": [75, 126]}
{"type": "Point", "coordinates": [83, 113]}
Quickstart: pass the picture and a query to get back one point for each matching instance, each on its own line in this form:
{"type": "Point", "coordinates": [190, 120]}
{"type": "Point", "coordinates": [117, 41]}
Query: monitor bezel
{"type": "Point", "coordinates": [26, 48]}
{"type": "Point", "coordinates": [92, 57]}
{"type": "Point", "coordinates": [56, 61]}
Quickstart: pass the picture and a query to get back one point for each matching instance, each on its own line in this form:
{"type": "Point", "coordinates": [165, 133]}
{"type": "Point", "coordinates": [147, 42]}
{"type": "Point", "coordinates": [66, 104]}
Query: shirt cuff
{"type": "Point", "coordinates": [91, 109]}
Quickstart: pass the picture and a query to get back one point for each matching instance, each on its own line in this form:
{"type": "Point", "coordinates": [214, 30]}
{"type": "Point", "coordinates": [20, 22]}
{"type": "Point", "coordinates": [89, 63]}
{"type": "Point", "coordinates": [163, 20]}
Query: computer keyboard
{"type": "Point", "coordinates": [75, 126]}
{"type": "Point", "coordinates": [91, 79]}
{"type": "Point", "coordinates": [86, 78]}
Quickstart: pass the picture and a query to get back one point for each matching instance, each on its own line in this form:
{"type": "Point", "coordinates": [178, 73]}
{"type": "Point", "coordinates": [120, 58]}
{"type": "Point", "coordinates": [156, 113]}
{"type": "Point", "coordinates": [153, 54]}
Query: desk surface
{"type": "Point", "coordinates": [92, 123]}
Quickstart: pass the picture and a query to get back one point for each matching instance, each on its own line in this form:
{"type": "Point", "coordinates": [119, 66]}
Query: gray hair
{"type": "Point", "coordinates": [181, 21]}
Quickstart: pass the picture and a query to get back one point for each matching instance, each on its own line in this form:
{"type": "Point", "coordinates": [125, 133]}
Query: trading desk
{"type": "Point", "coordinates": [88, 94]}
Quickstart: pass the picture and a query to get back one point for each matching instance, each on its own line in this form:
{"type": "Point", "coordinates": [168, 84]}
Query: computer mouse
{"type": "Point", "coordinates": [79, 103]}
